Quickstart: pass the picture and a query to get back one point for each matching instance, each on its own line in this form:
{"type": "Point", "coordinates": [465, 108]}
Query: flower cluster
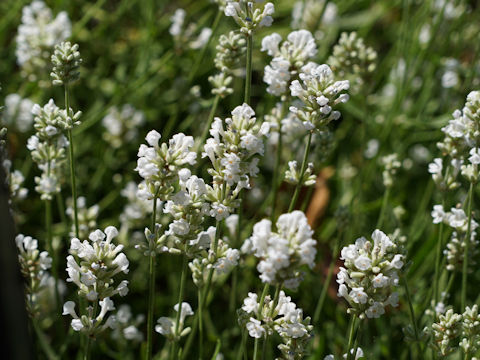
{"type": "Point", "coordinates": [445, 177]}
{"type": "Point", "coordinates": [66, 61]}
{"type": "Point", "coordinates": [121, 125]}
{"type": "Point", "coordinates": [90, 323]}
{"type": "Point", "coordinates": [231, 152]}
{"type": "Point", "coordinates": [288, 58]}
{"type": "Point", "coordinates": [445, 332]}
{"type": "Point", "coordinates": [370, 275]}
{"type": "Point", "coordinates": [391, 165]}
{"type": "Point", "coordinates": [37, 35]}
{"type": "Point", "coordinates": [18, 112]}
{"type": "Point", "coordinates": [87, 217]}
{"type": "Point", "coordinates": [352, 59]}
{"type": "Point", "coordinates": [248, 18]}
{"type": "Point", "coordinates": [188, 208]}
{"type": "Point", "coordinates": [458, 220]}
{"type": "Point", "coordinates": [230, 50]}
{"type": "Point", "coordinates": [168, 327]}
{"type": "Point", "coordinates": [158, 164]}
{"type": "Point", "coordinates": [34, 265]}
{"type": "Point", "coordinates": [292, 174]}
{"type": "Point", "coordinates": [462, 138]}
{"type": "Point", "coordinates": [320, 94]}
{"type": "Point", "coordinates": [281, 316]}
{"type": "Point", "coordinates": [48, 148]}
{"type": "Point", "coordinates": [99, 261]}
{"type": "Point", "coordinates": [222, 260]}
{"type": "Point", "coordinates": [283, 252]}
{"type": "Point", "coordinates": [185, 36]}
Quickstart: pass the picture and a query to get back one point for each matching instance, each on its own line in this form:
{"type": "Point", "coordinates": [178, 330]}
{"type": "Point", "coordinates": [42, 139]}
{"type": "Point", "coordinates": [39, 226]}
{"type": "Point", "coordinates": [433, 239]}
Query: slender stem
{"type": "Point", "coordinates": [88, 348]}
{"type": "Point", "coordinates": [151, 285]}
{"type": "Point", "coordinates": [183, 277]}
{"type": "Point", "coordinates": [72, 164]}
{"type": "Point", "coordinates": [260, 307]}
{"type": "Point", "coordinates": [438, 254]}
{"type": "Point", "coordinates": [200, 326]}
{"type": "Point", "coordinates": [326, 284]}
{"type": "Point", "coordinates": [248, 75]}
{"type": "Point", "coordinates": [350, 337]}
{"type": "Point", "coordinates": [412, 312]}
{"type": "Point", "coordinates": [47, 349]}
{"type": "Point", "coordinates": [48, 222]}
{"type": "Point", "coordinates": [278, 159]}
{"type": "Point", "coordinates": [255, 349]}
{"type": "Point", "coordinates": [465, 253]}
{"type": "Point", "coordinates": [242, 351]}
{"type": "Point", "coordinates": [386, 195]}
{"type": "Point", "coordinates": [208, 124]}
{"type": "Point", "coordinates": [210, 273]}
{"type": "Point", "coordinates": [302, 173]}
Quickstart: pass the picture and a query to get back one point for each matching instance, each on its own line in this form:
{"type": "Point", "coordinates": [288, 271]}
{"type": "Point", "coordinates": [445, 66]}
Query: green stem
{"type": "Point", "coordinates": [255, 349]}
{"type": "Point", "coordinates": [48, 221]}
{"type": "Point", "coordinates": [302, 173]}
{"type": "Point", "coordinates": [438, 254]}
{"type": "Point", "coordinates": [183, 277]}
{"type": "Point", "coordinates": [88, 348]}
{"type": "Point", "coordinates": [278, 159]}
{"type": "Point", "coordinates": [326, 284]}
{"type": "Point", "coordinates": [351, 337]}
{"type": "Point", "coordinates": [412, 312]}
{"type": "Point", "coordinates": [151, 283]}
{"type": "Point", "coordinates": [465, 253]}
{"type": "Point", "coordinates": [386, 195]}
{"type": "Point", "coordinates": [248, 75]}
{"type": "Point", "coordinates": [211, 115]}
{"type": "Point", "coordinates": [47, 349]}
{"type": "Point", "coordinates": [260, 307]}
{"type": "Point", "coordinates": [72, 164]}
{"type": "Point", "coordinates": [200, 326]}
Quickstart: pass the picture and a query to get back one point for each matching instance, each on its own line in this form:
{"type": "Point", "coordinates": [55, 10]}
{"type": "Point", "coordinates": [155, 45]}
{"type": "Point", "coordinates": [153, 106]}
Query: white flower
{"type": "Point", "coordinates": [358, 295]}
{"type": "Point", "coordinates": [255, 328]}
{"type": "Point", "coordinates": [375, 311]}
{"type": "Point", "coordinates": [438, 214]}
{"type": "Point", "coordinates": [250, 303]}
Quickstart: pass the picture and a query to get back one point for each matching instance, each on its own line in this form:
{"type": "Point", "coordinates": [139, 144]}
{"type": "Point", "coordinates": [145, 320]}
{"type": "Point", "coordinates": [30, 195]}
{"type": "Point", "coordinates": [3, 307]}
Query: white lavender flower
{"type": "Point", "coordinates": [91, 323]}
{"type": "Point", "coordinates": [292, 174]}
{"type": "Point", "coordinates": [121, 125]}
{"type": "Point", "coordinates": [66, 61]}
{"type": "Point", "coordinates": [283, 252]}
{"type": "Point", "coordinates": [230, 50]}
{"type": "Point", "coordinates": [223, 260]}
{"type": "Point", "coordinates": [249, 18]}
{"type": "Point", "coordinates": [159, 164]}
{"type": "Point", "coordinates": [288, 58]}
{"type": "Point", "coordinates": [99, 261]}
{"type": "Point", "coordinates": [37, 35]}
{"type": "Point", "coordinates": [33, 265]}
{"type": "Point", "coordinates": [48, 148]}
{"type": "Point", "coordinates": [15, 181]}
{"type": "Point", "coordinates": [353, 60]}
{"type": "Point", "coordinates": [370, 275]}
{"type": "Point", "coordinates": [166, 326]}
{"type": "Point", "coordinates": [282, 317]}
{"type": "Point", "coordinates": [320, 94]}
{"type": "Point", "coordinates": [232, 152]}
